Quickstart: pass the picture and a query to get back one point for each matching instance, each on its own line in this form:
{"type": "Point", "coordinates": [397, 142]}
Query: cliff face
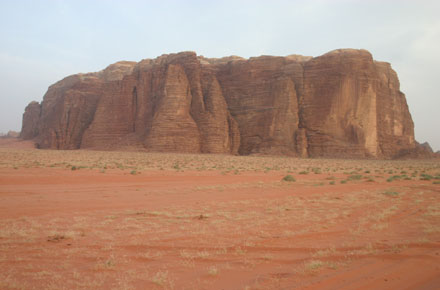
{"type": "Point", "coordinates": [352, 105]}
{"type": "Point", "coordinates": [31, 120]}
{"type": "Point", "coordinates": [341, 104]}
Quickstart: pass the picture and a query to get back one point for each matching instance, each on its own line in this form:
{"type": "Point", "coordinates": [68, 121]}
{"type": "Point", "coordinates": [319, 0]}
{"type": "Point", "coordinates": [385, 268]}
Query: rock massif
{"type": "Point", "coordinates": [340, 104]}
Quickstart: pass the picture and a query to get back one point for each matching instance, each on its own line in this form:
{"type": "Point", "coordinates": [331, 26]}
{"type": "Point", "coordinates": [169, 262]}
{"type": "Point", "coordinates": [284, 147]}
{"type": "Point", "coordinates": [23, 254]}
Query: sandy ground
{"type": "Point", "coordinates": [106, 220]}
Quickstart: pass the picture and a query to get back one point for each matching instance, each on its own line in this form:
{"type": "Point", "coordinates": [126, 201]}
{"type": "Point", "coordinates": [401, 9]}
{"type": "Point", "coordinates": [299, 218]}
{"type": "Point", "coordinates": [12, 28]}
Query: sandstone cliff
{"type": "Point", "coordinates": [340, 104]}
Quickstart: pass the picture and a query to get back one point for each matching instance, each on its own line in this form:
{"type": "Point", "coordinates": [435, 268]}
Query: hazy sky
{"type": "Point", "coordinates": [43, 41]}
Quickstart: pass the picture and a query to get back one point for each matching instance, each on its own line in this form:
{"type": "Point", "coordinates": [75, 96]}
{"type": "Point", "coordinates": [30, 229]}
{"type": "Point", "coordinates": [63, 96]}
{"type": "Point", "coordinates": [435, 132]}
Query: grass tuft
{"type": "Point", "coordinates": [289, 178]}
{"type": "Point", "coordinates": [355, 177]}
{"type": "Point", "coordinates": [391, 193]}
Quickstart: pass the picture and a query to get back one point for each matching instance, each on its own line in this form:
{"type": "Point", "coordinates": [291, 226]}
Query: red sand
{"type": "Point", "coordinates": [82, 229]}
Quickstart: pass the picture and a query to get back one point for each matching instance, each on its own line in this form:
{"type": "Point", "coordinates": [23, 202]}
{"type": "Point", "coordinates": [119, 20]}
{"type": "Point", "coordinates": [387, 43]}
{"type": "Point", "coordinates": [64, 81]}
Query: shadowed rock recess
{"type": "Point", "coordinates": [340, 104]}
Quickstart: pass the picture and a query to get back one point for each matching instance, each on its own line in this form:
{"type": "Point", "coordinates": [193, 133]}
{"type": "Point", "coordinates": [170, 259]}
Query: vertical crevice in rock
{"type": "Point", "coordinates": [67, 125]}
{"type": "Point", "coordinates": [301, 142]}
{"type": "Point", "coordinates": [134, 107]}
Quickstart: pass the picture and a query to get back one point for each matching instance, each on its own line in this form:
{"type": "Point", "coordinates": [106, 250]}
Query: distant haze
{"type": "Point", "coordinates": [44, 41]}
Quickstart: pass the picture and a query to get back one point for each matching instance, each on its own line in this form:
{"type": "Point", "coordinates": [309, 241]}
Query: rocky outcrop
{"type": "Point", "coordinates": [31, 121]}
{"type": "Point", "coordinates": [10, 135]}
{"type": "Point", "coordinates": [421, 151]}
{"type": "Point", "coordinates": [170, 104]}
{"type": "Point", "coordinates": [13, 134]}
{"type": "Point", "coordinates": [352, 106]}
{"type": "Point", "coordinates": [341, 104]}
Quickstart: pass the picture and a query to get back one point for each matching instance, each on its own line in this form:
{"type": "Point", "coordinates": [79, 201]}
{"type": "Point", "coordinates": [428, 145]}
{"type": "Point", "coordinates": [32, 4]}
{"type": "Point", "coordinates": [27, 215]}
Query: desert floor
{"type": "Point", "coordinates": [133, 220]}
